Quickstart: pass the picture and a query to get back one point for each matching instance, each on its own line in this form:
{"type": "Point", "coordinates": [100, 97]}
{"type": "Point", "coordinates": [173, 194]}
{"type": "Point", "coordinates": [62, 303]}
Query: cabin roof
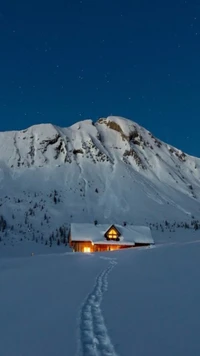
{"type": "Point", "coordinates": [129, 234]}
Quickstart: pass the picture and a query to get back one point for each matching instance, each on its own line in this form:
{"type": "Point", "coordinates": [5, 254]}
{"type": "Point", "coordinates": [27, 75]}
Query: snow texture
{"type": "Point", "coordinates": [94, 338]}
{"type": "Point", "coordinates": [140, 302]}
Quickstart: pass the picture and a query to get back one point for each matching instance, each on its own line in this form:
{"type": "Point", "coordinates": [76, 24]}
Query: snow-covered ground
{"type": "Point", "coordinates": [133, 302]}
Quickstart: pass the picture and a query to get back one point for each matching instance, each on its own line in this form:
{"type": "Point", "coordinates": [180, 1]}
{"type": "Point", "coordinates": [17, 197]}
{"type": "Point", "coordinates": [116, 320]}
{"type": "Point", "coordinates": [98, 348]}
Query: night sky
{"type": "Point", "coordinates": [66, 61]}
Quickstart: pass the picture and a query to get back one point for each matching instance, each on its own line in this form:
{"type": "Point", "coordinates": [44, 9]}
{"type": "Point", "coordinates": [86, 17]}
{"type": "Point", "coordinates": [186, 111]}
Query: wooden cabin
{"type": "Point", "coordinates": [96, 238]}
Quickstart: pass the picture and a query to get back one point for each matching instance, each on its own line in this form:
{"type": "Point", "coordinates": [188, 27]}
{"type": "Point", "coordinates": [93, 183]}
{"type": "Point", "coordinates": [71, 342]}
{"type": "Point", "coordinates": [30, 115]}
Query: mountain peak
{"type": "Point", "coordinates": [112, 139]}
{"type": "Point", "coordinates": [112, 170]}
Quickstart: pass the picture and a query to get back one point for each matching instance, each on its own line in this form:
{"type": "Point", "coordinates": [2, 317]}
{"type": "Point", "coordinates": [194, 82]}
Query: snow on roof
{"type": "Point", "coordinates": [130, 234]}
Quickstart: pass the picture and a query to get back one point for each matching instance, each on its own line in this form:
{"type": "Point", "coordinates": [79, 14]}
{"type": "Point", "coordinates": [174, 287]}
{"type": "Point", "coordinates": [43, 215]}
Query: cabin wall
{"type": "Point", "coordinates": [112, 247]}
{"type": "Point", "coordinates": [142, 244]}
{"type": "Point", "coordinates": [82, 246]}
{"type": "Point", "coordinates": [99, 248]}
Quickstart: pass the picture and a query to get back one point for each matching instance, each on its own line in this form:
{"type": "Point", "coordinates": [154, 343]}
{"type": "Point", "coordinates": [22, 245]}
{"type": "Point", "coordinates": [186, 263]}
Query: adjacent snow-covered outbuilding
{"type": "Point", "coordinates": [96, 238]}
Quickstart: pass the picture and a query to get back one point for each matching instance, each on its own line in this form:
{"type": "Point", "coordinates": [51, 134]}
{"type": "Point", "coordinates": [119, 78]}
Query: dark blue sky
{"type": "Point", "coordinates": [64, 61]}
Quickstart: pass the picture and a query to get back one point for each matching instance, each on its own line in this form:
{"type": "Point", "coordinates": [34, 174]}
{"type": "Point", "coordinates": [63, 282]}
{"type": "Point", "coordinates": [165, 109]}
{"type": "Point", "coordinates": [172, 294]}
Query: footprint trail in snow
{"type": "Point", "coordinates": [93, 335]}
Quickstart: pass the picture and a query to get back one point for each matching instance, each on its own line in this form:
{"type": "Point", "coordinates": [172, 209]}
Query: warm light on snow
{"type": "Point", "coordinates": [87, 250]}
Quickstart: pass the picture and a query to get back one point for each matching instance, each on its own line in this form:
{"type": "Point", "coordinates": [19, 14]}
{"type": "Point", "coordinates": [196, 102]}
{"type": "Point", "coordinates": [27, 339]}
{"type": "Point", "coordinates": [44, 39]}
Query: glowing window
{"type": "Point", "coordinates": [87, 249]}
{"type": "Point", "coordinates": [112, 234]}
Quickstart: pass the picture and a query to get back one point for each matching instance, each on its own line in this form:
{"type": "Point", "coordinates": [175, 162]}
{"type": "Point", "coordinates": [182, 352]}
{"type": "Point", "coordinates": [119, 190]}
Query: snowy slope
{"type": "Point", "coordinates": [112, 170]}
{"type": "Point", "coordinates": [134, 302]}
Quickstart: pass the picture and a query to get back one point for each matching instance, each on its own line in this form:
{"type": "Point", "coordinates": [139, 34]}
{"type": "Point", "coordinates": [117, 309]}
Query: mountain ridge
{"type": "Point", "coordinates": [112, 170]}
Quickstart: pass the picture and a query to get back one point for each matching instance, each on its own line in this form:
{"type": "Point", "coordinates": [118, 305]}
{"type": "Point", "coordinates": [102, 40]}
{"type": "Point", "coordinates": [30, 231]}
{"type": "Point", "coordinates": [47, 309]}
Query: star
{"type": "Point", "coordinates": [118, 54]}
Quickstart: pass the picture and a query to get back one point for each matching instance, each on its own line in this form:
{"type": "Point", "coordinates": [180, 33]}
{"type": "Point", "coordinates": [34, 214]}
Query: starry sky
{"type": "Point", "coordinates": [70, 60]}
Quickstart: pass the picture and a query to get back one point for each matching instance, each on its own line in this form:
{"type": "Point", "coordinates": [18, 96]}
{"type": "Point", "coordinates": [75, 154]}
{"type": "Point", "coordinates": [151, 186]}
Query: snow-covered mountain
{"type": "Point", "coordinates": [112, 170]}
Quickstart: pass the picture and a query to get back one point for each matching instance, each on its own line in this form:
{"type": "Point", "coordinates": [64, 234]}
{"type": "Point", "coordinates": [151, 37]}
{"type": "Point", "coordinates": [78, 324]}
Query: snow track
{"type": "Point", "coordinates": [93, 335]}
